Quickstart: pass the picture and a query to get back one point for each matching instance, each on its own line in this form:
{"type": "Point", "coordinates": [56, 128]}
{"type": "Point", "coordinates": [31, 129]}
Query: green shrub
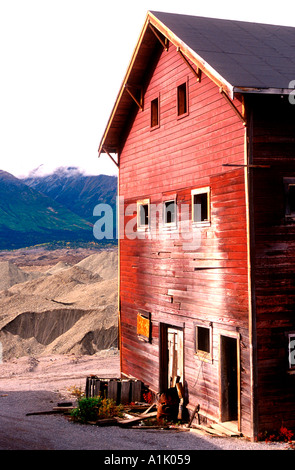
{"type": "Point", "coordinates": [94, 408]}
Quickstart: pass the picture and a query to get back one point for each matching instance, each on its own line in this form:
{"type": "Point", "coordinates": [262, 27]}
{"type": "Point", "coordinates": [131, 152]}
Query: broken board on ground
{"type": "Point", "coordinates": [141, 417]}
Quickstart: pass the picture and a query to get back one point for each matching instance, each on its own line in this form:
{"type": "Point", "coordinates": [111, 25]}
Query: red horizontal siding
{"type": "Point", "coordinates": [208, 281]}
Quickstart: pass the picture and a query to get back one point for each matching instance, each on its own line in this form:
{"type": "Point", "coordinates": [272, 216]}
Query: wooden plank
{"type": "Point", "coordinates": [207, 430]}
{"type": "Point", "coordinates": [55, 410]}
{"type": "Point", "coordinates": [141, 417]}
{"type": "Point", "coordinates": [125, 391]}
{"type": "Point", "coordinates": [97, 387]}
{"type": "Point", "coordinates": [226, 429]}
{"type": "Point", "coordinates": [113, 390]}
{"type": "Point", "coordinates": [136, 390]}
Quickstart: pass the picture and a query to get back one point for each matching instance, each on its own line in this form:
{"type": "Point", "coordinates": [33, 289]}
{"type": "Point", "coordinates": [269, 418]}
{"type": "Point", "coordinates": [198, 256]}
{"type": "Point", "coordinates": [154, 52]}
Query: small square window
{"type": "Point", "coordinates": [155, 112]}
{"type": "Point", "coordinates": [182, 107]}
{"type": "Point", "coordinates": [169, 213]}
{"type": "Point", "coordinates": [203, 339]}
{"type": "Point", "coordinates": [201, 206]}
{"type": "Point", "coordinates": [289, 184]}
{"type": "Point", "coordinates": [143, 214]}
{"type": "Point", "coordinates": [203, 342]}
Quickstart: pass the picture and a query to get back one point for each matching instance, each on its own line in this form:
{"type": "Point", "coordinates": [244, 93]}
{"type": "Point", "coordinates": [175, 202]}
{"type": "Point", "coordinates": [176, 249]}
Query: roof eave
{"type": "Point", "coordinates": [189, 53]}
{"type": "Point", "coordinates": [263, 91]}
{"type": "Point", "coordinates": [121, 91]}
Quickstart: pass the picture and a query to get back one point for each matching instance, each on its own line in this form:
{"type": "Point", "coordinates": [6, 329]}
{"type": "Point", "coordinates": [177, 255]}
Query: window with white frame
{"type": "Point", "coordinates": [201, 206]}
{"type": "Point", "coordinates": [143, 214]}
{"type": "Point", "coordinates": [169, 213]}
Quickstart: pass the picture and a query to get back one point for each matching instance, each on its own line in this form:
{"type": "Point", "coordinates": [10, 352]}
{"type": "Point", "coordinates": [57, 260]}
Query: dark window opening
{"type": "Point", "coordinates": [155, 112]}
{"type": "Point", "coordinates": [229, 367]}
{"type": "Point", "coordinates": [200, 212]}
{"type": "Point", "coordinates": [143, 215]}
{"type": "Point", "coordinates": [182, 99]}
{"type": "Point", "coordinates": [170, 212]}
{"type": "Point", "coordinates": [290, 199]}
{"type": "Point", "coordinates": [203, 339]}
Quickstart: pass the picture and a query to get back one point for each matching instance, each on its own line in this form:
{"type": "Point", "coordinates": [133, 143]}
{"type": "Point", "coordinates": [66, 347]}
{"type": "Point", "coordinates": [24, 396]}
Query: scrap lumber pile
{"type": "Point", "coordinates": [126, 392]}
{"type": "Point", "coordinates": [120, 390]}
{"type": "Point", "coordinates": [160, 413]}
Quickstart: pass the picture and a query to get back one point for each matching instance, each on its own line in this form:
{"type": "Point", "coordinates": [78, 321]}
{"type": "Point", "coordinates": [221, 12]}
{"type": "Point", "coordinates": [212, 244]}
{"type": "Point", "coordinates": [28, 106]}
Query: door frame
{"type": "Point", "coordinates": [163, 356]}
{"type": "Point", "coordinates": [235, 335]}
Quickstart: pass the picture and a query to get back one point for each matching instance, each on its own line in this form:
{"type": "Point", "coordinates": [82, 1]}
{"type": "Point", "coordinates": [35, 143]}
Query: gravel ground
{"type": "Point", "coordinates": [37, 384]}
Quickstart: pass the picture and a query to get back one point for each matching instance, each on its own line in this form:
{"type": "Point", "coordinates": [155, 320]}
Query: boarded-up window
{"type": "Point", "coordinates": [201, 206]}
{"type": "Point", "coordinates": [182, 107]}
{"type": "Point", "coordinates": [144, 325]}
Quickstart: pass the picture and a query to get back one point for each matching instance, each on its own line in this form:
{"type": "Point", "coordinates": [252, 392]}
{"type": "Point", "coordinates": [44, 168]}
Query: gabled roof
{"type": "Point", "coordinates": [240, 57]}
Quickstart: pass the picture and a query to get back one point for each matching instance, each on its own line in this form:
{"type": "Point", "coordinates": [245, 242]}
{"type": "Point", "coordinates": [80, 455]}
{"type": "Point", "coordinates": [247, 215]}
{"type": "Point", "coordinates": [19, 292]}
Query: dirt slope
{"type": "Point", "coordinates": [66, 309]}
{"type": "Point", "coordinates": [10, 274]}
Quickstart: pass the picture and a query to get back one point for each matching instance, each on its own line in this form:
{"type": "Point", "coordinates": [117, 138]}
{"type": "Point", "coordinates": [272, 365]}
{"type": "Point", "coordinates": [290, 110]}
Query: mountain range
{"type": "Point", "coordinates": [51, 208]}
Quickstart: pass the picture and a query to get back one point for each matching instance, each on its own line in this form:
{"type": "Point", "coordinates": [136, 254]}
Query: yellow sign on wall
{"type": "Point", "coordinates": [144, 326]}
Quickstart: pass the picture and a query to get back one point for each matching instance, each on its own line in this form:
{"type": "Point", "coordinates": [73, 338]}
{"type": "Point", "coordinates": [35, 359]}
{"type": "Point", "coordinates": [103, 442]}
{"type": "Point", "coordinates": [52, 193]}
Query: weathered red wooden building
{"type": "Point", "coordinates": [204, 132]}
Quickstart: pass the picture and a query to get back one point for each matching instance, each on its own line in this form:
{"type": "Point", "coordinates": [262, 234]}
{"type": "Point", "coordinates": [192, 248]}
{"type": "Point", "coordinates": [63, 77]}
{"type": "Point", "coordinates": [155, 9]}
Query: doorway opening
{"type": "Point", "coordinates": [171, 357]}
{"type": "Point", "coordinates": [229, 379]}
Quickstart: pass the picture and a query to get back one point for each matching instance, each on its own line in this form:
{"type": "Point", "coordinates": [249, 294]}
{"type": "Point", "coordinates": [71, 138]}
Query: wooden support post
{"type": "Point", "coordinates": [97, 388]}
{"type": "Point", "coordinates": [87, 387]}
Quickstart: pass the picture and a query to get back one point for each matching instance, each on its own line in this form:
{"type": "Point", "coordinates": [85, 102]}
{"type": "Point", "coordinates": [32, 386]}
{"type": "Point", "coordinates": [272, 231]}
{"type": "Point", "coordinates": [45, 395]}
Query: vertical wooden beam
{"type": "Point", "coordinates": [119, 228]}
{"type": "Point", "coordinates": [239, 380]}
{"type": "Point", "coordinates": [251, 285]}
{"type": "Point", "coordinates": [136, 390]}
{"type": "Point", "coordinates": [125, 391]}
{"type": "Point", "coordinates": [113, 390]}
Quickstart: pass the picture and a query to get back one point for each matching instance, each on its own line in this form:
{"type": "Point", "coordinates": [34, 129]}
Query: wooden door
{"type": "Point", "coordinates": [171, 357]}
{"type": "Point", "coordinates": [175, 356]}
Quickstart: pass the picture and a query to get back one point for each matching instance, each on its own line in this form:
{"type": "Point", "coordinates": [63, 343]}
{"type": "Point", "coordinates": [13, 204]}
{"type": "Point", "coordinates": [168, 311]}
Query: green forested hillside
{"type": "Point", "coordinates": [29, 217]}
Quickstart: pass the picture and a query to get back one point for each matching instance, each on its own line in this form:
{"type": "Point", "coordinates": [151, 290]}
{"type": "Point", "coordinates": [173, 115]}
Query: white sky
{"type": "Point", "coordinates": [62, 64]}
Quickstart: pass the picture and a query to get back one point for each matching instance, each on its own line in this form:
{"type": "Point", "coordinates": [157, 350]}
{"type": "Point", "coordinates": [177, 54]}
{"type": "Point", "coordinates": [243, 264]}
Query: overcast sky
{"type": "Point", "coordinates": [62, 64]}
